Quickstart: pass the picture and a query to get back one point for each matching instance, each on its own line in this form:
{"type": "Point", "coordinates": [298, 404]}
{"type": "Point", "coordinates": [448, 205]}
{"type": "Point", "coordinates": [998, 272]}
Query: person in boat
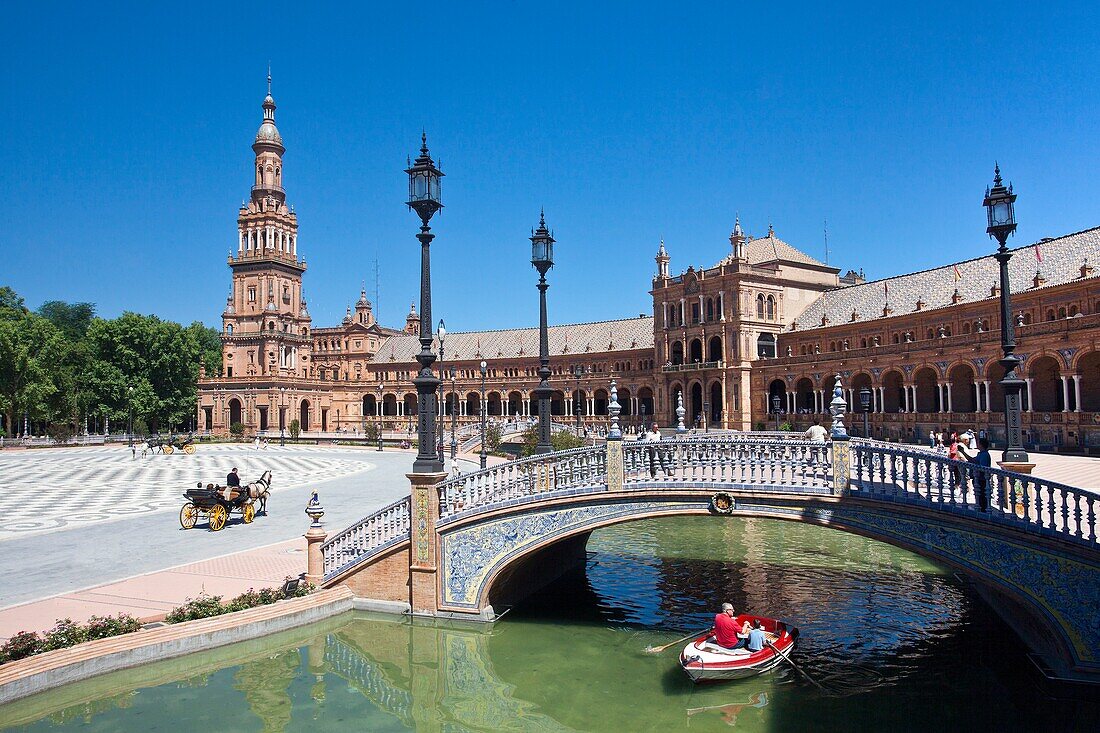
{"type": "Point", "coordinates": [756, 639]}
{"type": "Point", "coordinates": [726, 633]}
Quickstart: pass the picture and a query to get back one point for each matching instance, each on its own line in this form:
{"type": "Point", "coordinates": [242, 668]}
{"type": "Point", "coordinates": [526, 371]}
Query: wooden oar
{"type": "Point", "coordinates": [797, 668]}
{"type": "Point", "coordinates": [659, 649]}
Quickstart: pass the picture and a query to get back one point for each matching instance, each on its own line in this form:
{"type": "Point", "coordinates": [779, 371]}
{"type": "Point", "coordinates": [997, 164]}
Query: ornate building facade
{"type": "Point", "coordinates": [765, 322]}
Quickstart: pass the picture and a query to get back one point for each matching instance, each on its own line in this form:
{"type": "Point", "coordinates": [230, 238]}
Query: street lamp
{"type": "Point", "coordinates": [481, 406]}
{"type": "Point", "coordinates": [706, 416]}
{"type": "Point", "coordinates": [999, 202]}
{"type": "Point", "coordinates": [641, 415]}
{"type": "Point", "coordinates": [542, 258]}
{"type": "Point", "coordinates": [578, 372]}
{"type": "Point", "coordinates": [282, 417]}
{"type": "Point", "coordinates": [865, 403]}
{"type": "Point", "coordinates": [454, 414]}
{"type": "Point", "coordinates": [424, 199]}
{"type": "Point", "coordinates": [381, 413]}
{"type": "Point", "coordinates": [775, 410]}
{"type": "Point", "coordinates": [130, 401]}
{"type": "Point", "coordinates": [441, 333]}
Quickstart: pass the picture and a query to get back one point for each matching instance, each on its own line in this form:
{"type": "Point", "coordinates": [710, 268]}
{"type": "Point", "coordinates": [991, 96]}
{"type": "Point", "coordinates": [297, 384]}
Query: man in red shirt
{"type": "Point", "coordinates": [726, 633]}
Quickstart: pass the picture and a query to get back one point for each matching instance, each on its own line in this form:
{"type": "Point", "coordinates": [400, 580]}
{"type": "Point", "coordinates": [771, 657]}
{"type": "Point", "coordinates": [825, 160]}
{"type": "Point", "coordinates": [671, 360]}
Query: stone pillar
{"type": "Point", "coordinates": [315, 536]}
{"type": "Point", "coordinates": [1077, 393]}
{"type": "Point", "coordinates": [1028, 381]}
{"type": "Point", "coordinates": [1065, 392]}
{"type": "Point", "coordinates": [947, 389]}
{"type": "Point", "coordinates": [422, 553]}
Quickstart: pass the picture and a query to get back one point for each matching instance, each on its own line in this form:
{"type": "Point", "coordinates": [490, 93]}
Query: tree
{"type": "Point", "coordinates": [295, 429]}
{"type": "Point", "coordinates": [493, 438]}
{"type": "Point", "coordinates": [237, 430]}
{"type": "Point", "coordinates": [561, 440]}
{"type": "Point", "coordinates": [30, 348]}
{"type": "Point", "coordinates": [72, 319]}
{"type": "Point", "coordinates": [11, 305]}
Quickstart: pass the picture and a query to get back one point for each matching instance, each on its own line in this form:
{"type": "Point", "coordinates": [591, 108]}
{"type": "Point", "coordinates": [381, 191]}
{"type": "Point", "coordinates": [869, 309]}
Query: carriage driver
{"type": "Point", "coordinates": [232, 484]}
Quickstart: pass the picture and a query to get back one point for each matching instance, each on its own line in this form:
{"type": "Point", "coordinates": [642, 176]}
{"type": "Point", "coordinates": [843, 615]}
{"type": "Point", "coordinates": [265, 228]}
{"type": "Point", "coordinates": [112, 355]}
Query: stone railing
{"type": "Point", "coordinates": [571, 469]}
{"type": "Point", "coordinates": [506, 429]}
{"type": "Point", "coordinates": [885, 472]}
{"type": "Point", "coordinates": [694, 366]}
{"type": "Point", "coordinates": [370, 535]}
{"type": "Point", "coordinates": [729, 461]}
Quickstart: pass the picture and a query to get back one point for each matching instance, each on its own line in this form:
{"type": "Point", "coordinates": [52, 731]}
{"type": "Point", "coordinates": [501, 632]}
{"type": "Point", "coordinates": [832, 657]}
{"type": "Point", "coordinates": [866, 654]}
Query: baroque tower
{"type": "Point", "coordinates": [266, 325]}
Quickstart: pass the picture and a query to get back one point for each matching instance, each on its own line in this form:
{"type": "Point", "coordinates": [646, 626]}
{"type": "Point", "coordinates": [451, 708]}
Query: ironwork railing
{"type": "Point", "coordinates": [370, 535]}
{"type": "Point", "coordinates": [884, 472]}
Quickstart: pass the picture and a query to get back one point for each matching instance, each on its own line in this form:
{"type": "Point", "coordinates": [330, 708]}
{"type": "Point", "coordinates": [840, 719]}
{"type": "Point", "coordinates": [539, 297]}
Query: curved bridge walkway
{"type": "Point", "coordinates": [454, 545]}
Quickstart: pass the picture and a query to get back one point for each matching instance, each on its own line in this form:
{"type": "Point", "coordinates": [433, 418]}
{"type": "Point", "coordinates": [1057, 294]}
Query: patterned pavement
{"type": "Point", "coordinates": [48, 490]}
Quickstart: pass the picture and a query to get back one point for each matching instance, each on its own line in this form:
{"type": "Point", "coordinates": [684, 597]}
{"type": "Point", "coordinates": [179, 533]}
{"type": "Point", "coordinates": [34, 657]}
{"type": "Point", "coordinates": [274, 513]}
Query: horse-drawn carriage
{"type": "Point", "coordinates": [216, 503]}
{"type": "Point", "coordinates": [156, 444]}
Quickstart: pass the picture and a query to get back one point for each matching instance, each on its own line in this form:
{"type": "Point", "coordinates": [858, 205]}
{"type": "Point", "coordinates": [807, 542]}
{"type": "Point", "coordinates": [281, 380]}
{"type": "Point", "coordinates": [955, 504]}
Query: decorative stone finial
{"type": "Point", "coordinates": [613, 409]}
{"type": "Point", "coordinates": [837, 407]}
{"type": "Point", "coordinates": [680, 411]}
{"type": "Point", "coordinates": [314, 510]}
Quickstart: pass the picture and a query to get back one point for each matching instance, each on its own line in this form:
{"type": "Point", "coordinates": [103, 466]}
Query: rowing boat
{"type": "Point", "coordinates": [704, 661]}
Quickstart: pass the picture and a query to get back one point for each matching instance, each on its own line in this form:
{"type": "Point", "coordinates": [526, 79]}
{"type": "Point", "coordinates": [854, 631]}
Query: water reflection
{"type": "Point", "coordinates": [895, 643]}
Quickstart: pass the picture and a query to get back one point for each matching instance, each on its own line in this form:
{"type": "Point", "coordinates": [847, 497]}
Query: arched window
{"type": "Point", "coordinates": [765, 346]}
{"type": "Point", "coordinates": [931, 334]}
{"type": "Point", "coordinates": [1062, 312]}
{"type": "Point", "coordinates": [229, 329]}
{"type": "Point", "coordinates": [1073, 310]}
{"type": "Point", "coordinates": [896, 340]}
{"type": "Point", "coordinates": [1027, 319]}
{"type": "Point", "coordinates": [1050, 314]}
{"type": "Point", "coordinates": [760, 307]}
{"type": "Point", "coordinates": [966, 328]}
{"type": "Point", "coordinates": [863, 343]}
{"type": "Point", "coordinates": [271, 325]}
{"type": "Point", "coordinates": [710, 309]}
{"type": "Point", "coordinates": [832, 346]}
{"type": "Point", "coordinates": [770, 308]}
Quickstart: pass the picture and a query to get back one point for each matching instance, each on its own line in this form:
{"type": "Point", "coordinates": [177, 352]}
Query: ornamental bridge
{"type": "Point", "coordinates": [461, 546]}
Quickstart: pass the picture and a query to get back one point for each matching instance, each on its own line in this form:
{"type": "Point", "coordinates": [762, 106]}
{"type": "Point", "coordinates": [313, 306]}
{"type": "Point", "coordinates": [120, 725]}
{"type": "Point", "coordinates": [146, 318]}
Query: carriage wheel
{"type": "Point", "coordinates": [167, 450]}
{"type": "Point", "coordinates": [189, 514]}
{"type": "Point", "coordinates": [217, 517]}
{"type": "Point", "coordinates": [248, 513]}
{"type": "Point", "coordinates": [189, 449]}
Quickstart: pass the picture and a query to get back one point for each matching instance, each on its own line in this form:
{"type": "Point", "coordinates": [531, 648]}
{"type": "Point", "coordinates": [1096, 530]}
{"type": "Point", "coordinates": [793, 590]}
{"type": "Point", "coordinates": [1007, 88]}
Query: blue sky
{"type": "Point", "coordinates": [127, 130]}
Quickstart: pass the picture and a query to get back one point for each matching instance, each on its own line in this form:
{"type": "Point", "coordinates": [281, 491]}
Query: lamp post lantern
{"type": "Point", "coordinates": [424, 199]}
{"type": "Point", "coordinates": [865, 403]}
{"type": "Point", "coordinates": [775, 410]}
{"type": "Point", "coordinates": [381, 414]}
{"type": "Point", "coordinates": [1000, 211]}
{"type": "Point", "coordinates": [542, 258]}
{"type": "Point", "coordinates": [441, 333]}
{"type": "Point", "coordinates": [454, 415]}
{"type": "Point", "coordinates": [481, 408]}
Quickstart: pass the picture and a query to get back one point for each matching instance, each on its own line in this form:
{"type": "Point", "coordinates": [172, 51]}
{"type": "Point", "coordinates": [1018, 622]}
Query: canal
{"type": "Point", "coordinates": [892, 642]}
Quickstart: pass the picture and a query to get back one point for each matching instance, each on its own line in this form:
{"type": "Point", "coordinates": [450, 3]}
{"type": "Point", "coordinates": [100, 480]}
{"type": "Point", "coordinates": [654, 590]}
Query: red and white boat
{"type": "Point", "coordinates": [704, 661]}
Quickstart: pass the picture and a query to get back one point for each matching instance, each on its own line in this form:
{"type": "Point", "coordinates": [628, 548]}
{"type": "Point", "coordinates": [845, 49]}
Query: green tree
{"type": "Point", "coordinates": [72, 319]}
{"type": "Point", "coordinates": [561, 440]}
{"type": "Point", "coordinates": [295, 429]}
{"type": "Point", "coordinates": [493, 438]}
{"type": "Point", "coordinates": [30, 348]}
{"type": "Point", "coordinates": [11, 305]}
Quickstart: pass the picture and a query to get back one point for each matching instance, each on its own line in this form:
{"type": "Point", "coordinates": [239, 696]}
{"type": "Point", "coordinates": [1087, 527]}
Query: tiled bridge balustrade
{"type": "Point", "coordinates": [456, 548]}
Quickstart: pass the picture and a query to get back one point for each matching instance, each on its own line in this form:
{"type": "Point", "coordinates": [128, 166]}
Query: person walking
{"type": "Point", "coordinates": [653, 435]}
{"type": "Point", "coordinates": [815, 433]}
{"type": "Point", "coordinates": [983, 461]}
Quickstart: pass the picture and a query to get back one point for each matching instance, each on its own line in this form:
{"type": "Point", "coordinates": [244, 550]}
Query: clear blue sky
{"type": "Point", "coordinates": [127, 130]}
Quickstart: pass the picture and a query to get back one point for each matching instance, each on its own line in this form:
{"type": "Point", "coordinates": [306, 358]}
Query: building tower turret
{"type": "Point", "coordinates": [738, 240]}
{"type": "Point", "coordinates": [412, 321]}
{"type": "Point", "coordinates": [662, 259]}
{"type": "Point", "coordinates": [363, 312]}
{"type": "Point", "coordinates": [266, 323]}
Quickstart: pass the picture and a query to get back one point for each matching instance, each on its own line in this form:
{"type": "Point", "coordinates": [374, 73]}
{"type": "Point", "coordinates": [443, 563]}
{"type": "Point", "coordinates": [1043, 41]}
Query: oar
{"type": "Point", "coordinates": [797, 668]}
{"type": "Point", "coordinates": [659, 649]}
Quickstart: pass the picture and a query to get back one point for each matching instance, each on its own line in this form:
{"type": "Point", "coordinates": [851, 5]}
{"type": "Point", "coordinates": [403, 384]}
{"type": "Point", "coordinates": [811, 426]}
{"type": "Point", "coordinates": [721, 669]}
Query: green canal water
{"type": "Point", "coordinates": [897, 642]}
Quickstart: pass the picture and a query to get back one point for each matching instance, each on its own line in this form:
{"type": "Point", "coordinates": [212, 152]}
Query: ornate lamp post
{"type": "Point", "coordinates": [999, 207]}
{"type": "Point", "coordinates": [282, 416]}
{"type": "Point", "coordinates": [441, 333]}
{"type": "Point", "coordinates": [706, 416]}
{"type": "Point", "coordinates": [454, 415]}
{"type": "Point", "coordinates": [578, 372]}
{"type": "Point", "coordinates": [641, 415]}
{"type": "Point", "coordinates": [424, 199]}
{"type": "Point", "coordinates": [481, 407]}
{"type": "Point", "coordinates": [775, 410]}
{"type": "Point", "coordinates": [381, 413]}
{"type": "Point", "coordinates": [130, 402]}
{"type": "Point", "coordinates": [542, 258]}
{"type": "Point", "coordinates": [865, 403]}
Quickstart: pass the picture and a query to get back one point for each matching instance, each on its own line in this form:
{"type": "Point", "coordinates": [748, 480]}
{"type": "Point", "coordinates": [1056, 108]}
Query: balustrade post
{"type": "Point", "coordinates": [422, 557]}
{"type": "Point", "coordinates": [315, 536]}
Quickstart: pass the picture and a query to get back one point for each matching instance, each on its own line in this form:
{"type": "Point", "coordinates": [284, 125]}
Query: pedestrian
{"type": "Point", "coordinates": [815, 433]}
{"type": "Point", "coordinates": [932, 439]}
{"type": "Point", "coordinates": [981, 476]}
{"type": "Point", "coordinates": [655, 456]}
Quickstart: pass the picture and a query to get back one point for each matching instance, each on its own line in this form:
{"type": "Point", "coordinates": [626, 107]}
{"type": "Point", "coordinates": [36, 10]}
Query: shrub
{"type": "Point", "coordinates": [295, 429]}
{"type": "Point", "coordinates": [237, 430]}
{"type": "Point", "coordinates": [202, 607]}
{"type": "Point", "coordinates": [65, 634]}
{"type": "Point", "coordinates": [59, 432]}
{"type": "Point", "coordinates": [786, 427]}
{"type": "Point", "coordinates": [20, 646]}
{"type": "Point", "coordinates": [101, 627]}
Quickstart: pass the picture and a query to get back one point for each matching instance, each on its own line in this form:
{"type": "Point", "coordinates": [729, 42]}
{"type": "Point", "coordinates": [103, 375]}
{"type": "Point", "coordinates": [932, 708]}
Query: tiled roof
{"type": "Point", "coordinates": [1062, 259]}
{"type": "Point", "coordinates": [582, 338]}
{"type": "Point", "coordinates": [772, 248]}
